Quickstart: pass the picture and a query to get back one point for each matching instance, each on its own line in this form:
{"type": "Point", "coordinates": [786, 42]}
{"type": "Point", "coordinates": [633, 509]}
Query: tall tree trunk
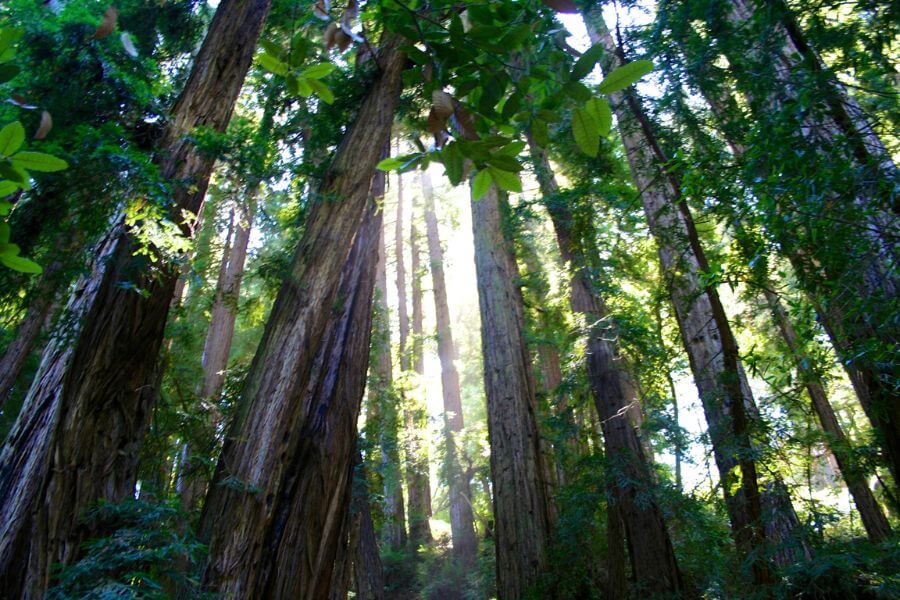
{"type": "Point", "coordinates": [417, 479]}
{"type": "Point", "coordinates": [462, 522]}
{"type": "Point", "coordinates": [272, 518]}
{"type": "Point", "coordinates": [845, 267]}
{"type": "Point", "coordinates": [384, 403]}
{"type": "Point", "coordinates": [523, 509]}
{"type": "Point", "coordinates": [220, 334]}
{"type": "Point", "coordinates": [367, 572]}
{"type": "Point", "coordinates": [709, 342]}
{"type": "Point", "coordinates": [873, 518]}
{"type": "Point", "coordinates": [631, 480]}
{"type": "Point", "coordinates": [77, 439]}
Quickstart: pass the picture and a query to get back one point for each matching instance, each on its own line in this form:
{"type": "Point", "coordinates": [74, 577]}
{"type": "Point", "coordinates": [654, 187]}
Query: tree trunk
{"type": "Point", "coordinates": [652, 556]}
{"type": "Point", "coordinates": [85, 415]}
{"type": "Point", "coordinates": [523, 510]}
{"type": "Point", "coordinates": [706, 334]}
{"type": "Point", "coordinates": [462, 522]}
{"type": "Point", "coordinates": [384, 400]}
{"type": "Point", "coordinates": [273, 514]}
{"type": "Point", "coordinates": [220, 334]}
{"type": "Point", "coordinates": [845, 267]}
{"type": "Point", "coordinates": [411, 360]}
{"type": "Point", "coordinates": [367, 573]}
{"type": "Point", "coordinates": [873, 518]}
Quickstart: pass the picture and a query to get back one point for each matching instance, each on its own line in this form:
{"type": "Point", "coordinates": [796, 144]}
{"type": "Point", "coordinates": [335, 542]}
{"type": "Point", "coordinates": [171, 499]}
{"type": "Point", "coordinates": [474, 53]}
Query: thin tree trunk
{"type": "Point", "coordinates": [220, 334]}
{"type": "Point", "coordinates": [417, 481]}
{"type": "Point", "coordinates": [77, 439]}
{"type": "Point", "coordinates": [384, 401]}
{"type": "Point", "coordinates": [367, 571]}
{"type": "Point", "coordinates": [462, 522]}
{"type": "Point", "coordinates": [523, 509]}
{"type": "Point", "coordinates": [873, 518]}
{"type": "Point", "coordinates": [272, 518]}
{"type": "Point", "coordinates": [652, 555]}
{"type": "Point", "coordinates": [709, 342]}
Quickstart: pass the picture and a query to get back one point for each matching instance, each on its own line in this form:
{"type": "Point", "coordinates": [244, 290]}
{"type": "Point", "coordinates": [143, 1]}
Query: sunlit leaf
{"type": "Point", "coordinates": [481, 183]}
{"type": "Point", "coordinates": [38, 161]}
{"type": "Point", "coordinates": [23, 265]}
{"type": "Point", "coordinates": [505, 180]}
{"type": "Point", "coordinates": [586, 132]}
{"type": "Point", "coordinates": [321, 90]}
{"type": "Point", "coordinates": [586, 62]}
{"type": "Point", "coordinates": [11, 138]}
{"type": "Point", "coordinates": [318, 71]}
{"type": "Point", "coordinates": [624, 76]}
{"type": "Point", "coordinates": [600, 110]}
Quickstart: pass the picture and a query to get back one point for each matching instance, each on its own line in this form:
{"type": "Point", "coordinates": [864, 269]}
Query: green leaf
{"type": "Point", "coordinates": [577, 91]}
{"type": "Point", "coordinates": [7, 72]}
{"type": "Point", "coordinates": [452, 158]}
{"type": "Point", "coordinates": [11, 138]}
{"type": "Point", "coordinates": [5, 207]}
{"type": "Point", "coordinates": [586, 62]}
{"type": "Point", "coordinates": [600, 110]}
{"type": "Point", "coordinates": [303, 88]}
{"type": "Point", "coordinates": [318, 71]}
{"type": "Point", "coordinates": [321, 90]}
{"type": "Point", "coordinates": [23, 265]}
{"type": "Point", "coordinates": [506, 180]}
{"type": "Point", "coordinates": [548, 115]}
{"type": "Point", "coordinates": [540, 133]}
{"type": "Point", "coordinates": [7, 188]}
{"type": "Point", "coordinates": [272, 64]}
{"type": "Point", "coordinates": [624, 76]}
{"type": "Point", "coordinates": [586, 132]}
{"type": "Point", "coordinates": [16, 175]}
{"type": "Point", "coordinates": [506, 163]}
{"type": "Point", "coordinates": [271, 48]}
{"type": "Point", "coordinates": [512, 148]}
{"type": "Point", "coordinates": [38, 161]}
{"type": "Point", "coordinates": [4, 232]}
{"type": "Point", "coordinates": [481, 183]}
{"type": "Point", "coordinates": [392, 163]}
{"type": "Point", "coordinates": [9, 250]}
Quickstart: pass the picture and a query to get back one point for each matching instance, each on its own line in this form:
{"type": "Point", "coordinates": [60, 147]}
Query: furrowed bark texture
{"type": "Point", "coordinates": [282, 454]}
{"type": "Point", "coordinates": [705, 331]}
{"type": "Point", "coordinates": [367, 574]}
{"type": "Point", "coordinates": [86, 413]}
{"type": "Point", "coordinates": [652, 556]}
{"type": "Point", "coordinates": [848, 267]}
{"type": "Point", "coordinates": [523, 510]}
{"type": "Point", "coordinates": [462, 522]}
{"type": "Point", "coordinates": [417, 484]}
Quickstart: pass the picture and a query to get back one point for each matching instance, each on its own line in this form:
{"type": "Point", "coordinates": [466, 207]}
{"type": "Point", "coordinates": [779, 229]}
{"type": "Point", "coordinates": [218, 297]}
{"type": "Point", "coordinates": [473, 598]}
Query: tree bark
{"type": "Point", "coordinates": [462, 521]}
{"type": "Point", "coordinates": [523, 509]}
{"type": "Point", "coordinates": [631, 479]}
{"type": "Point", "coordinates": [274, 510]}
{"type": "Point", "coordinates": [709, 342]}
{"type": "Point", "coordinates": [367, 573]}
{"type": "Point", "coordinates": [83, 420]}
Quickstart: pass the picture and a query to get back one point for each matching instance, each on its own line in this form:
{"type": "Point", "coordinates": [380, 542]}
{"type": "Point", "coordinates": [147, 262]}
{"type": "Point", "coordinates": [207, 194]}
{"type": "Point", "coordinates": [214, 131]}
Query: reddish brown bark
{"type": "Point", "coordinates": [652, 556]}
{"type": "Point", "coordinates": [281, 481]}
{"type": "Point", "coordinates": [524, 512]}
{"type": "Point", "coordinates": [462, 521]}
{"type": "Point", "coordinates": [86, 413]}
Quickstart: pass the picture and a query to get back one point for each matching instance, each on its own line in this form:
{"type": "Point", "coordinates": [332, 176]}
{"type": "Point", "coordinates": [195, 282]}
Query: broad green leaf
{"type": "Point", "coordinates": [452, 158]}
{"type": "Point", "coordinates": [577, 91]}
{"type": "Point", "coordinates": [292, 86]}
{"type": "Point", "coordinates": [392, 163]}
{"type": "Point", "coordinates": [4, 232]}
{"type": "Point", "coordinates": [9, 250]}
{"type": "Point", "coordinates": [512, 148]}
{"type": "Point", "coordinates": [5, 207]}
{"type": "Point", "coordinates": [8, 38]}
{"type": "Point", "coordinates": [624, 76]}
{"type": "Point", "coordinates": [599, 109]}
{"type": "Point", "coordinates": [23, 265]}
{"type": "Point", "coordinates": [13, 174]}
{"type": "Point", "coordinates": [7, 188]}
{"type": "Point", "coordinates": [318, 71]}
{"type": "Point", "coordinates": [506, 180]}
{"type": "Point", "coordinates": [505, 163]}
{"type": "Point", "coordinates": [540, 133]}
{"type": "Point", "coordinates": [38, 161]}
{"type": "Point", "coordinates": [481, 183]}
{"type": "Point", "coordinates": [272, 64]}
{"type": "Point", "coordinates": [303, 88]}
{"type": "Point", "coordinates": [586, 62]}
{"type": "Point", "coordinates": [271, 48]}
{"type": "Point", "coordinates": [586, 132]}
{"type": "Point", "coordinates": [321, 90]}
{"type": "Point", "coordinates": [11, 138]}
